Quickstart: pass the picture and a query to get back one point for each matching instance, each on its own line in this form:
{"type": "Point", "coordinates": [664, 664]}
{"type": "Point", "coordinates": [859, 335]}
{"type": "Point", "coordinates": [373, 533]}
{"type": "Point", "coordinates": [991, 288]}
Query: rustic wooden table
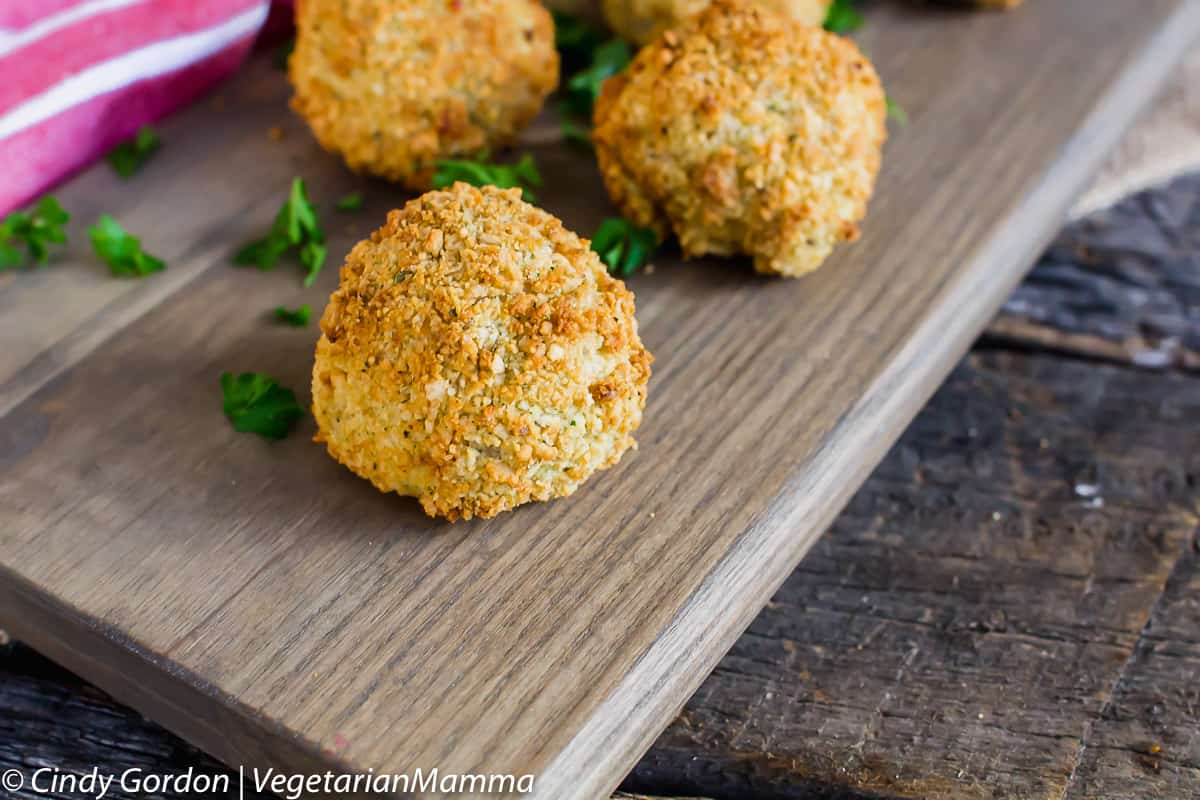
{"type": "Point", "coordinates": [1010, 607]}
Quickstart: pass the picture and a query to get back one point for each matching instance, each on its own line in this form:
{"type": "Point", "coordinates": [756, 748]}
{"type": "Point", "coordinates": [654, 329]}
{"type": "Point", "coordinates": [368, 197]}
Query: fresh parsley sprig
{"type": "Point", "coordinates": [296, 227]}
{"type": "Point", "coordinates": [256, 403]}
{"type": "Point", "coordinates": [623, 246]}
{"type": "Point", "coordinates": [523, 174]}
{"type": "Point", "coordinates": [842, 17]}
{"type": "Point", "coordinates": [607, 60]}
{"type": "Point", "coordinates": [895, 111]}
{"type": "Point", "coordinates": [583, 89]}
{"type": "Point", "coordinates": [128, 157]}
{"type": "Point", "coordinates": [122, 251]}
{"type": "Point", "coordinates": [36, 230]}
{"type": "Point", "coordinates": [296, 317]}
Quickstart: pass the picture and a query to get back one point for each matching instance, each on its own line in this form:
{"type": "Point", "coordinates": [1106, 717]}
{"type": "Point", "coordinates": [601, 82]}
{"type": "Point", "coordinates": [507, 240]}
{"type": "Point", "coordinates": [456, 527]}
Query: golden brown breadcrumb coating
{"type": "Point", "coordinates": [477, 356]}
{"type": "Point", "coordinates": [744, 132]}
{"type": "Point", "coordinates": [394, 85]}
{"type": "Point", "coordinates": [641, 20]}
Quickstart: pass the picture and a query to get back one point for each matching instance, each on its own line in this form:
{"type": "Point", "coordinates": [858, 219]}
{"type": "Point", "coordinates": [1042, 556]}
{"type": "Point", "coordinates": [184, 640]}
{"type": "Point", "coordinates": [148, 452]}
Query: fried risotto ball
{"type": "Point", "coordinates": [477, 356]}
{"type": "Point", "coordinates": [744, 132]}
{"type": "Point", "coordinates": [395, 85]}
{"type": "Point", "coordinates": [641, 20]}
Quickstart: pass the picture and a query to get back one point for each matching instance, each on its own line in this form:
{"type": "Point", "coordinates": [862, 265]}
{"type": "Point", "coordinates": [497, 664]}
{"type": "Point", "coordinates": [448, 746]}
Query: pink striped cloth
{"type": "Point", "coordinates": [81, 76]}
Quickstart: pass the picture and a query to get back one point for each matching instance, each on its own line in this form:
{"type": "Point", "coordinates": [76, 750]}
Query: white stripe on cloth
{"type": "Point", "coordinates": [10, 41]}
{"type": "Point", "coordinates": [128, 68]}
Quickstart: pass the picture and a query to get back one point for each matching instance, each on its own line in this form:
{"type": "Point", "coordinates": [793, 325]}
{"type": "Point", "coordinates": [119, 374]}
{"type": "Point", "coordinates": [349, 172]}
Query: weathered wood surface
{"type": "Point", "coordinates": [1122, 285]}
{"type": "Point", "coordinates": [253, 597]}
{"type": "Point", "coordinates": [959, 631]}
{"type": "Point", "coordinates": [980, 446]}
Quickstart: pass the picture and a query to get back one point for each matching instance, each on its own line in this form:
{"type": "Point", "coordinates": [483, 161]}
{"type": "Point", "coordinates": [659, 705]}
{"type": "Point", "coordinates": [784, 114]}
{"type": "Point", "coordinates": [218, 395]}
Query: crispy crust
{"type": "Point", "coordinates": [393, 85]}
{"type": "Point", "coordinates": [641, 20]}
{"type": "Point", "coordinates": [477, 356]}
{"type": "Point", "coordinates": [744, 132]}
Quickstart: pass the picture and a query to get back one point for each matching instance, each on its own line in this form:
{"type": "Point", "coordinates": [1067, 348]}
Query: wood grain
{"type": "Point", "coordinates": [986, 618]}
{"type": "Point", "coordinates": [275, 610]}
{"type": "Point", "coordinates": [916, 561]}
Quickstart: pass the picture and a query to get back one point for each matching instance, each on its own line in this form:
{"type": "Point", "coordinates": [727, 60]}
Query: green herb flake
{"type": "Point", "coordinates": [36, 230]}
{"type": "Point", "coordinates": [842, 17]}
{"type": "Point", "coordinates": [296, 227]}
{"type": "Point", "coordinates": [296, 317]}
{"type": "Point", "coordinates": [623, 246]}
{"type": "Point", "coordinates": [583, 88]}
{"type": "Point", "coordinates": [129, 156]}
{"type": "Point", "coordinates": [122, 251]}
{"type": "Point", "coordinates": [895, 111]}
{"type": "Point", "coordinates": [350, 202]}
{"type": "Point", "coordinates": [256, 403]}
{"type": "Point", "coordinates": [523, 174]}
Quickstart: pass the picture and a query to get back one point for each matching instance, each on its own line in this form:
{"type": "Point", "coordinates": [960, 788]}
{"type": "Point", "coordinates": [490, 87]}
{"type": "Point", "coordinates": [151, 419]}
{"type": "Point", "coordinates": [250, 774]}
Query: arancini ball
{"type": "Point", "coordinates": [744, 132]}
{"type": "Point", "coordinates": [641, 20]}
{"type": "Point", "coordinates": [394, 85]}
{"type": "Point", "coordinates": [477, 356]}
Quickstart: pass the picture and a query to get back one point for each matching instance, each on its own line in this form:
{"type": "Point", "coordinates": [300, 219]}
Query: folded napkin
{"type": "Point", "coordinates": [80, 76]}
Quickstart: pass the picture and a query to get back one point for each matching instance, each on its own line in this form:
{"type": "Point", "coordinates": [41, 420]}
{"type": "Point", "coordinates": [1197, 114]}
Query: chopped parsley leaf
{"type": "Point", "coordinates": [129, 156]}
{"type": "Point", "coordinates": [842, 17]}
{"type": "Point", "coordinates": [296, 226]}
{"type": "Point", "coordinates": [256, 403]}
{"type": "Point", "coordinates": [296, 317]}
{"type": "Point", "coordinates": [36, 230]}
{"type": "Point", "coordinates": [623, 246]}
{"type": "Point", "coordinates": [121, 250]}
{"type": "Point", "coordinates": [523, 174]}
{"type": "Point", "coordinates": [583, 89]}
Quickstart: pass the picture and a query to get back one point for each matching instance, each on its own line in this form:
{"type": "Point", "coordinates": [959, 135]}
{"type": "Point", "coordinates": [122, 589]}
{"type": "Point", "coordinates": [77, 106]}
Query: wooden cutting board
{"type": "Point", "coordinates": [278, 611]}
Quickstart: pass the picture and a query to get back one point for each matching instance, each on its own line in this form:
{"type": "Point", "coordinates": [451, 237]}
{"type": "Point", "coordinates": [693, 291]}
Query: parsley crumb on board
{"type": "Point", "coordinates": [35, 230]}
{"type": "Point", "coordinates": [623, 246]}
{"type": "Point", "coordinates": [129, 156]}
{"type": "Point", "coordinates": [296, 228]}
{"type": "Point", "coordinates": [256, 403]}
{"type": "Point", "coordinates": [296, 317]}
{"type": "Point", "coordinates": [121, 250]}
